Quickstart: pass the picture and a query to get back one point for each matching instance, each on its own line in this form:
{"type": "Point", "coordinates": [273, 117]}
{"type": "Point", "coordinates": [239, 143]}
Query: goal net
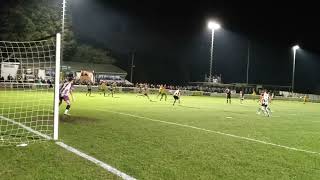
{"type": "Point", "coordinates": [29, 72]}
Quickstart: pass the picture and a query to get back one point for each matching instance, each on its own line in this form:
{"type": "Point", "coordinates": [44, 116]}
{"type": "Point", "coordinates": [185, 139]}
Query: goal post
{"type": "Point", "coordinates": [29, 91]}
{"type": "Point", "coordinates": [56, 88]}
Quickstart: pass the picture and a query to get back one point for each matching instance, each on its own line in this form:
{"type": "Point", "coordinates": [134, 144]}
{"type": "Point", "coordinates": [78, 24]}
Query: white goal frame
{"type": "Point", "coordinates": [55, 124]}
{"type": "Point", "coordinates": [56, 88]}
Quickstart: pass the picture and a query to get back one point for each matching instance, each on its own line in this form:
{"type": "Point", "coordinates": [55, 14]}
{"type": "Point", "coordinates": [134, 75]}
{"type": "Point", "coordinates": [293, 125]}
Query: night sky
{"type": "Point", "coordinates": [172, 42]}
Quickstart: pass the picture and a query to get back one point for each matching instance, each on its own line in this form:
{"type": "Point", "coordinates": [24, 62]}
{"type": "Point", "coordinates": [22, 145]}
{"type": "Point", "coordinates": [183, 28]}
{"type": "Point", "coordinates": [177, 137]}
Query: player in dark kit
{"type": "Point", "coordinates": [228, 95]}
{"type": "Point", "coordinates": [89, 86]}
{"type": "Point", "coordinates": [145, 92]}
{"type": "Point", "coordinates": [241, 96]}
{"type": "Point", "coordinates": [112, 89]}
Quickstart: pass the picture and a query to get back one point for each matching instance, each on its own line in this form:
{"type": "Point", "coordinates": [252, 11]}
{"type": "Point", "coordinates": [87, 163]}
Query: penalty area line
{"type": "Point", "coordinates": [96, 161]}
{"type": "Point", "coordinates": [212, 131]}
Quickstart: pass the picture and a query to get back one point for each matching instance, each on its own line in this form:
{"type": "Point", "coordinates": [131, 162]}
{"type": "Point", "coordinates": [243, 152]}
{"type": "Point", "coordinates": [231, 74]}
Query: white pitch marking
{"type": "Point", "coordinates": [229, 117]}
{"type": "Point", "coordinates": [71, 149]}
{"type": "Point", "coordinates": [216, 132]}
{"type": "Point", "coordinates": [22, 145]}
{"type": "Point", "coordinates": [26, 127]}
{"type": "Point", "coordinates": [96, 161]}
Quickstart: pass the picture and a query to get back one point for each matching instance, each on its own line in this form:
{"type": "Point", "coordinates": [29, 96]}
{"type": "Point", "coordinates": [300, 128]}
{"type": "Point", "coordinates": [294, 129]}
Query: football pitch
{"type": "Point", "coordinates": [201, 138]}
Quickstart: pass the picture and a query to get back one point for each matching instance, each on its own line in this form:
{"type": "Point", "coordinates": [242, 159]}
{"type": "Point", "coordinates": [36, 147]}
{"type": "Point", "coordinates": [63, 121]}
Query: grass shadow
{"type": "Point", "coordinates": [191, 107]}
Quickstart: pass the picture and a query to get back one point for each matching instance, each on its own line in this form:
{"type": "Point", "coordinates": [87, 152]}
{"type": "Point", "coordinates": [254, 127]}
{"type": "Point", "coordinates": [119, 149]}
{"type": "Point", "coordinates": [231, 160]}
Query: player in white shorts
{"type": "Point", "coordinates": [241, 96]}
{"type": "Point", "coordinates": [64, 92]}
{"type": "Point", "coordinates": [265, 104]}
{"type": "Point", "coordinates": [176, 96]}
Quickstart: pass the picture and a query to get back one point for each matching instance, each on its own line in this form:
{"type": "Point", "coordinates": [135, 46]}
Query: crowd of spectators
{"type": "Point", "coordinates": [211, 89]}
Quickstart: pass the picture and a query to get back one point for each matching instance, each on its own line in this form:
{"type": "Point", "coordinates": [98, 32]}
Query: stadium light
{"type": "Point", "coordinates": [294, 48]}
{"type": "Point", "coordinates": [212, 25]}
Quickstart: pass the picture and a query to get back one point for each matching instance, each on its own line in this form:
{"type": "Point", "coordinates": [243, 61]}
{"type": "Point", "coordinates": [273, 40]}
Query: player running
{"type": "Point", "coordinates": [140, 90]}
{"type": "Point", "coordinates": [144, 92]}
{"type": "Point", "coordinates": [89, 86]}
{"type": "Point", "coordinates": [241, 96]}
{"type": "Point", "coordinates": [264, 100]}
{"type": "Point", "coordinates": [160, 90]}
{"type": "Point", "coordinates": [176, 96]}
{"type": "Point", "coordinates": [228, 95]}
{"type": "Point", "coordinates": [112, 89]}
{"type": "Point", "coordinates": [103, 88]}
{"type": "Point", "coordinates": [305, 99]}
{"type": "Point", "coordinates": [64, 93]}
{"type": "Point", "coordinates": [163, 93]}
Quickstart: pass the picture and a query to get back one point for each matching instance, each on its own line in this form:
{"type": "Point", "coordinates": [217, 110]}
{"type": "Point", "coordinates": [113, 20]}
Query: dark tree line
{"type": "Point", "coordinates": [27, 20]}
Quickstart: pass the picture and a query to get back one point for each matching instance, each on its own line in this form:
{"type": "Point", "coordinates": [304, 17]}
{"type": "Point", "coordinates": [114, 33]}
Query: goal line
{"type": "Point", "coordinates": [26, 127]}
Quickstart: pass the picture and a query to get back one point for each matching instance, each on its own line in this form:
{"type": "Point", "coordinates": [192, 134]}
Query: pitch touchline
{"type": "Point", "coordinates": [212, 131]}
{"type": "Point", "coordinates": [75, 151]}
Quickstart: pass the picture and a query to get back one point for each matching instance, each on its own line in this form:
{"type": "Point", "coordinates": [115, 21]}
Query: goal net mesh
{"type": "Point", "coordinates": [26, 91]}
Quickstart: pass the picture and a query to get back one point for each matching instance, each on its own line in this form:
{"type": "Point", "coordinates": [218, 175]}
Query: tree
{"type": "Point", "coordinates": [86, 53]}
{"type": "Point", "coordinates": [27, 20]}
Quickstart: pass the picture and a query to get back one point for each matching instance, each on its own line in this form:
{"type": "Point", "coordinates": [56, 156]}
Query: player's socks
{"type": "Point", "coordinates": [66, 112]}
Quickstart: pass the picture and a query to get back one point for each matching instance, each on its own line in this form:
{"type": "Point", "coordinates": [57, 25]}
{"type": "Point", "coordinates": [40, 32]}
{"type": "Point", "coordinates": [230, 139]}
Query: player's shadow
{"type": "Point", "coordinates": [76, 119]}
{"type": "Point", "coordinates": [153, 101]}
{"type": "Point", "coordinates": [191, 107]}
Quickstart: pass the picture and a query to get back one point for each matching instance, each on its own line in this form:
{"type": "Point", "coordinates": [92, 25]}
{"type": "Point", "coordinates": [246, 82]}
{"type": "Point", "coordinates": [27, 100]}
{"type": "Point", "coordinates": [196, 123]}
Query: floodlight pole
{"type": "Point", "coordinates": [212, 26]}
{"type": "Point", "coordinates": [293, 68]}
{"type": "Point", "coordinates": [132, 66]}
{"type": "Point", "coordinates": [63, 26]}
{"type": "Point", "coordinates": [211, 55]}
{"type": "Point", "coordinates": [248, 62]}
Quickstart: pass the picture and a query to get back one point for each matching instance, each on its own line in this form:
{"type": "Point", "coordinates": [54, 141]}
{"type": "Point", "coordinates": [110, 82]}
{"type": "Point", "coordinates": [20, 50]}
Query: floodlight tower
{"type": "Point", "coordinates": [63, 26]}
{"type": "Point", "coordinates": [294, 48]}
{"type": "Point", "coordinates": [212, 25]}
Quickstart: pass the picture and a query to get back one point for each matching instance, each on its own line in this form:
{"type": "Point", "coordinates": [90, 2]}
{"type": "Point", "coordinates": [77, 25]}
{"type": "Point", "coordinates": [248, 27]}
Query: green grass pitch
{"type": "Point", "coordinates": [148, 140]}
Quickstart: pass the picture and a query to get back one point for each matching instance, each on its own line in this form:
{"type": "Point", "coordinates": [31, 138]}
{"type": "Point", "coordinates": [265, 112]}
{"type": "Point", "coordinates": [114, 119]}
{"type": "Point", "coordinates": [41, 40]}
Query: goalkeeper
{"type": "Point", "coordinates": [64, 92]}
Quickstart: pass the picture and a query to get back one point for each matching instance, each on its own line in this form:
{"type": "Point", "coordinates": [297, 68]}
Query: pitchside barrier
{"type": "Point", "coordinates": [287, 96]}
